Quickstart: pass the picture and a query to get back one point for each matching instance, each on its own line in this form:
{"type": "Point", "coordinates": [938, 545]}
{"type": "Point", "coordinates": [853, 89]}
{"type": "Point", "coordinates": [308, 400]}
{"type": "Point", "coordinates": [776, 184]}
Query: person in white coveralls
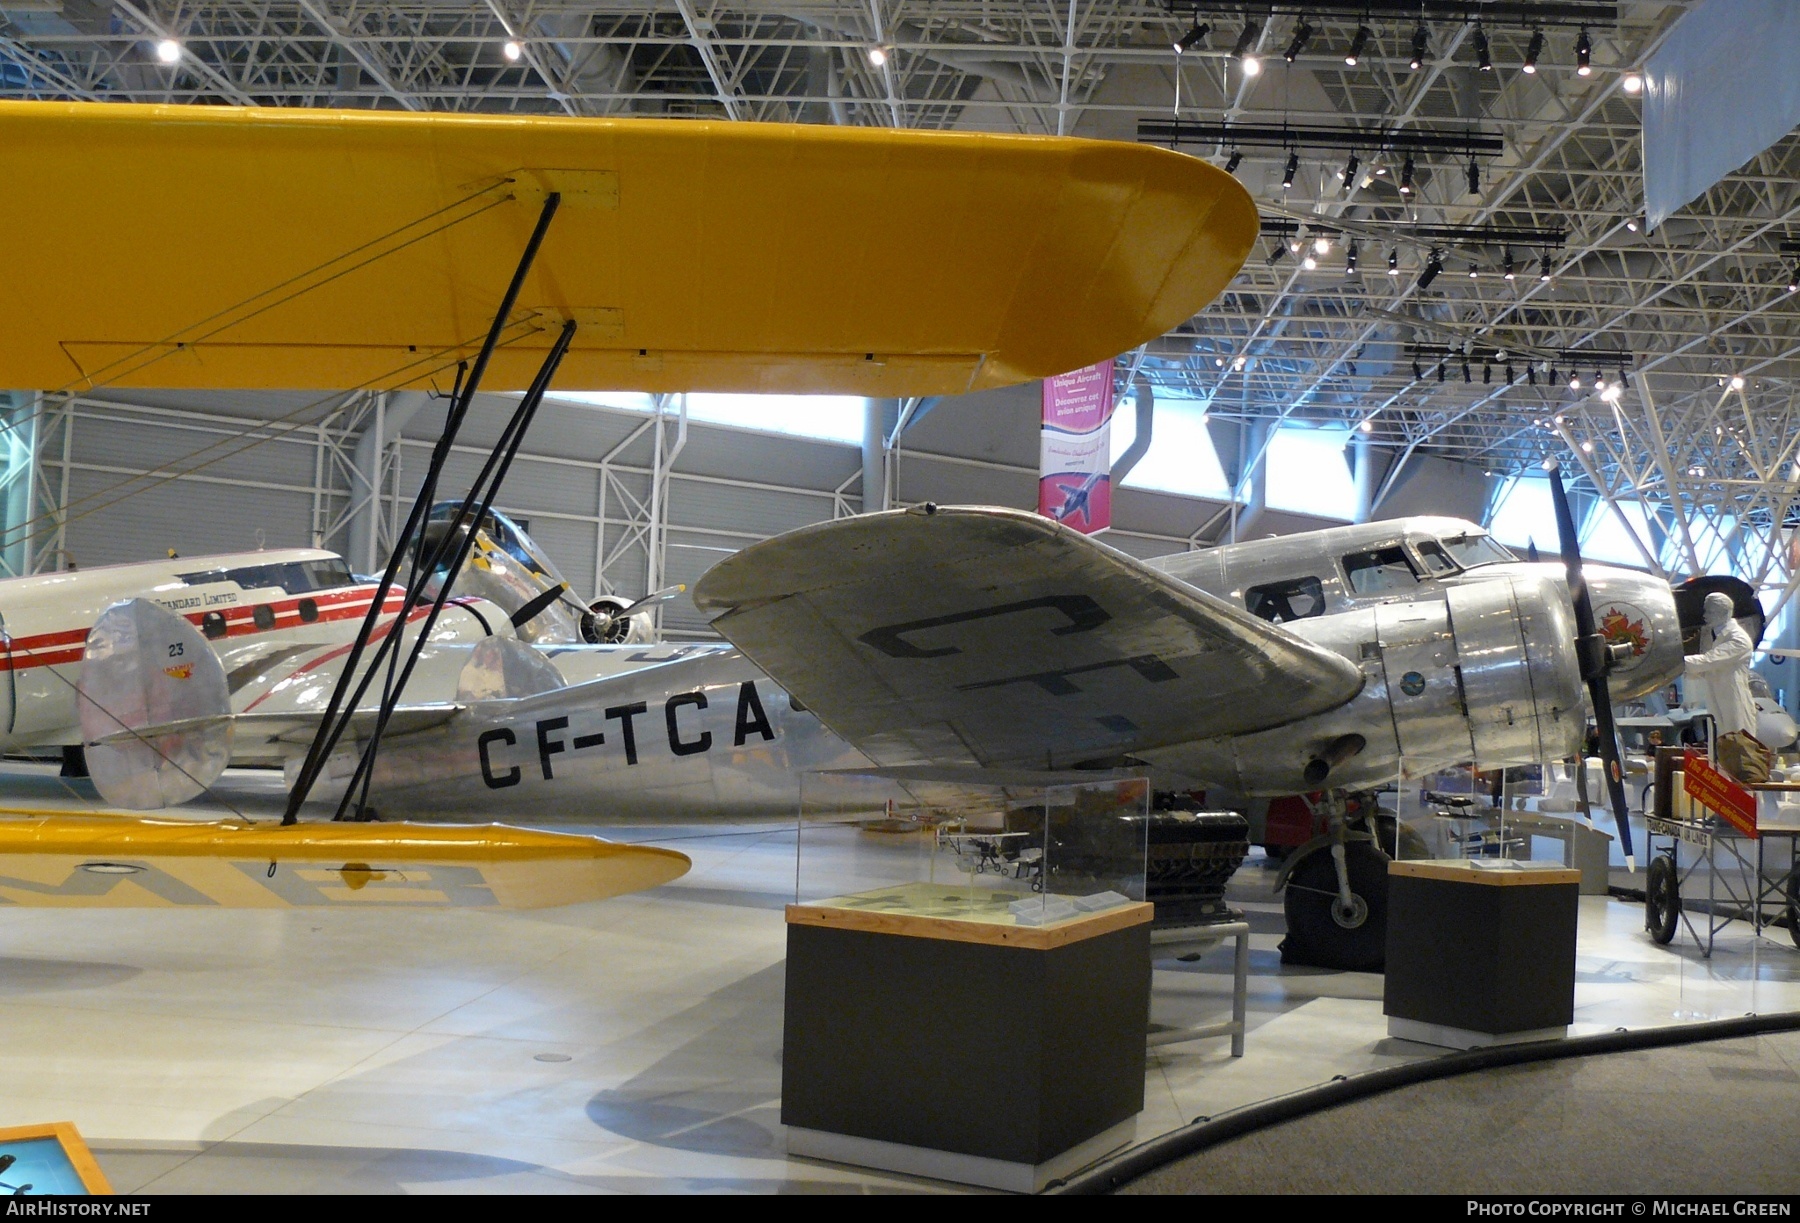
{"type": "Point", "coordinates": [1720, 678]}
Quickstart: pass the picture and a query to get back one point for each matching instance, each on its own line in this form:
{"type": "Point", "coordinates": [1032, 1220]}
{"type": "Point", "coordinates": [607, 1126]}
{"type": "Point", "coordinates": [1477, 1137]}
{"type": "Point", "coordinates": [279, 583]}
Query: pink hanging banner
{"type": "Point", "coordinates": [1075, 453]}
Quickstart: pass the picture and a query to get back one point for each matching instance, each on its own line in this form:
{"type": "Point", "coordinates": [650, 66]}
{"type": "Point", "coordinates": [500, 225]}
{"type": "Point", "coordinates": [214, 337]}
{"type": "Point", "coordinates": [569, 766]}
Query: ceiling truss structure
{"type": "Point", "coordinates": [1705, 298]}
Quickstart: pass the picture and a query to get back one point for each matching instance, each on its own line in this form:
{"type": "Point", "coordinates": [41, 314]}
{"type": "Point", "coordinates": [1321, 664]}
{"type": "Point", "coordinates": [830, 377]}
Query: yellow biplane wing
{"type": "Point", "coordinates": [218, 247]}
{"type": "Point", "coordinates": [57, 860]}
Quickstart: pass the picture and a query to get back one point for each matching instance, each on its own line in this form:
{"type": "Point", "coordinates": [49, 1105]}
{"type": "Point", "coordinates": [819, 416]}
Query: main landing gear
{"type": "Point", "coordinates": [1336, 891]}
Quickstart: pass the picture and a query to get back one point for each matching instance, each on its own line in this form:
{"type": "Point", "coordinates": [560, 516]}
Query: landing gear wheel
{"type": "Point", "coordinates": [1793, 905]}
{"type": "Point", "coordinates": [1662, 901]}
{"type": "Point", "coordinates": [1323, 933]}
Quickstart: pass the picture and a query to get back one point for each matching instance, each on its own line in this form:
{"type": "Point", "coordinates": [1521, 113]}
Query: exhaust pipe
{"type": "Point", "coordinates": [1336, 752]}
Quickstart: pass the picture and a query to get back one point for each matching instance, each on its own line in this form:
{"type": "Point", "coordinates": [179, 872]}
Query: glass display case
{"type": "Point", "coordinates": [1022, 849]}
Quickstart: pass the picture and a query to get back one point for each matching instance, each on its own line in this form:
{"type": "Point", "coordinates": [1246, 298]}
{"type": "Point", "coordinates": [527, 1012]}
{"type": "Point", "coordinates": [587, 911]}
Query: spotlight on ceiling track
{"type": "Point", "coordinates": [1418, 371]}
{"type": "Point", "coordinates": [1531, 374]}
{"type": "Point", "coordinates": [1440, 371]}
{"type": "Point", "coordinates": [1474, 177]}
{"type": "Point", "coordinates": [1474, 273]}
{"type": "Point", "coordinates": [1302, 35]}
{"type": "Point", "coordinates": [1533, 49]}
{"type": "Point", "coordinates": [512, 50]}
{"type": "Point", "coordinates": [1234, 161]}
{"type": "Point", "coordinates": [1737, 382]}
{"type": "Point", "coordinates": [1793, 284]}
{"type": "Point", "coordinates": [1510, 377]}
{"type": "Point", "coordinates": [1311, 261]}
{"type": "Point", "coordinates": [1246, 40]}
{"type": "Point", "coordinates": [1276, 254]}
{"type": "Point", "coordinates": [168, 51]}
{"type": "Point", "coordinates": [1487, 373]}
{"type": "Point", "coordinates": [1421, 47]}
{"type": "Point", "coordinates": [1293, 168]}
{"type": "Point", "coordinates": [1507, 266]}
{"type": "Point", "coordinates": [1483, 60]}
{"type": "Point", "coordinates": [1252, 65]}
{"type": "Point", "coordinates": [1367, 426]}
{"type": "Point", "coordinates": [1433, 266]}
{"type": "Point", "coordinates": [1393, 263]}
{"type": "Point", "coordinates": [1468, 374]}
{"type": "Point", "coordinates": [1350, 261]}
{"type": "Point", "coordinates": [1321, 245]}
{"type": "Point", "coordinates": [878, 56]}
{"type": "Point", "coordinates": [1633, 83]}
{"type": "Point", "coordinates": [1348, 173]}
{"type": "Point", "coordinates": [1631, 224]}
{"type": "Point", "coordinates": [1584, 55]}
{"type": "Point", "coordinates": [1193, 38]}
{"type": "Point", "coordinates": [1357, 44]}
{"type": "Point", "coordinates": [1544, 269]}
{"type": "Point", "coordinates": [1406, 176]}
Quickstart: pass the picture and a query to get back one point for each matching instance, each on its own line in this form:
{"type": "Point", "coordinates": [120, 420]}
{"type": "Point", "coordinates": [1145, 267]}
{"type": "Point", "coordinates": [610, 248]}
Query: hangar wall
{"type": "Point", "coordinates": [144, 471]}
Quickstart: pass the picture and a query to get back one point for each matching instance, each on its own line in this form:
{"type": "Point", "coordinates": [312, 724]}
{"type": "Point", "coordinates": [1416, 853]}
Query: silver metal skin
{"type": "Point", "coordinates": [1488, 676]}
{"type": "Point", "coordinates": [1636, 605]}
{"type": "Point", "coordinates": [702, 734]}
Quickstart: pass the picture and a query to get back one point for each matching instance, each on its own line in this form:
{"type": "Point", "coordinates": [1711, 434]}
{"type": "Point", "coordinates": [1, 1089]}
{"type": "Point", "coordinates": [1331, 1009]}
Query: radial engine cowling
{"type": "Point", "coordinates": [1488, 675]}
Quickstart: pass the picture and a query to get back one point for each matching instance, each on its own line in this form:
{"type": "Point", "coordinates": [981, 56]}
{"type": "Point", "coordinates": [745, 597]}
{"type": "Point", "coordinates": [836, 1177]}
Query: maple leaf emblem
{"type": "Point", "coordinates": [1617, 627]}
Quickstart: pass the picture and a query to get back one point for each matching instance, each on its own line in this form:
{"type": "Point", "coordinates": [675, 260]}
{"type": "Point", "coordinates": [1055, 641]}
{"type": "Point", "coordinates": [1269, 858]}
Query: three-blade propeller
{"type": "Point", "coordinates": [1595, 659]}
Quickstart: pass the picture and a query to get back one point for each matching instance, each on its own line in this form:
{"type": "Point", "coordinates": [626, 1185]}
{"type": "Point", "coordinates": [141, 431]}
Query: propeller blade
{"type": "Point", "coordinates": [1590, 649]}
{"type": "Point", "coordinates": [650, 600]}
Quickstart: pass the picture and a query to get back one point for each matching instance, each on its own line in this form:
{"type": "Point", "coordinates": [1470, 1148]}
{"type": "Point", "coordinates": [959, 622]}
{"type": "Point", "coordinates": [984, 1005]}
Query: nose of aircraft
{"type": "Point", "coordinates": [1636, 610]}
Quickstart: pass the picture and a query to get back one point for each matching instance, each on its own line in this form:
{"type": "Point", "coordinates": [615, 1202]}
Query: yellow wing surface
{"type": "Point", "coordinates": [206, 246]}
{"type": "Point", "coordinates": [70, 861]}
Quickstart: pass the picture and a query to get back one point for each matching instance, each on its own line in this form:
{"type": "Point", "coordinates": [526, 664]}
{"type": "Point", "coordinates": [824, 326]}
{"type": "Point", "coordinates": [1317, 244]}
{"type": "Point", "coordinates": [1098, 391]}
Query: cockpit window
{"type": "Point", "coordinates": [1380, 571]}
{"type": "Point", "coordinates": [1435, 558]}
{"type": "Point", "coordinates": [1295, 599]}
{"type": "Point", "coordinates": [1473, 550]}
{"type": "Point", "coordinates": [294, 577]}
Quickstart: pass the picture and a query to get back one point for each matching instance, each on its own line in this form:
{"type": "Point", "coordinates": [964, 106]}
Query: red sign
{"type": "Point", "coordinates": [1718, 792]}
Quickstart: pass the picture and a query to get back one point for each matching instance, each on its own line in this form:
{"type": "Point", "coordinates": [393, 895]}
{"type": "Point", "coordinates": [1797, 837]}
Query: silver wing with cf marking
{"type": "Point", "coordinates": [997, 637]}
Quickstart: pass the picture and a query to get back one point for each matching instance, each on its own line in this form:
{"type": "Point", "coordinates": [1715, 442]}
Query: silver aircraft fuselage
{"type": "Point", "coordinates": [1461, 665]}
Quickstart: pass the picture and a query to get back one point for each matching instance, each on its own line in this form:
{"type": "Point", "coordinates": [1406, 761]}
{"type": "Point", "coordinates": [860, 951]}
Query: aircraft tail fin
{"type": "Point", "coordinates": [155, 709]}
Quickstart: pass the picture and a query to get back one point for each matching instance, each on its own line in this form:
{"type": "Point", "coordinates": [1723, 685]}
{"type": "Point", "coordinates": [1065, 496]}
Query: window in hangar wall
{"type": "Point", "coordinates": [1524, 514]}
{"type": "Point", "coordinates": [826, 418]}
{"type": "Point", "coordinates": [1309, 473]}
{"type": "Point", "coordinates": [1181, 458]}
{"type": "Point", "coordinates": [1604, 537]}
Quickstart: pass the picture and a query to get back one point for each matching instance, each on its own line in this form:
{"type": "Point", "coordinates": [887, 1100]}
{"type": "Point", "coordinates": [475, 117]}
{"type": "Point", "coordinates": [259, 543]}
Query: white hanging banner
{"type": "Point", "coordinates": [1720, 90]}
{"type": "Point", "coordinates": [1075, 452]}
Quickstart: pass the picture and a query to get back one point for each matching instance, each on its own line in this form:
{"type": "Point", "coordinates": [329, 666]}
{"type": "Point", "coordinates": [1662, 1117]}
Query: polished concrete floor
{"type": "Point", "coordinates": [631, 1045]}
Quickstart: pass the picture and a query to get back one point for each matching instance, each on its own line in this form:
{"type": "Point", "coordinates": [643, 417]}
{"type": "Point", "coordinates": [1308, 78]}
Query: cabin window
{"type": "Point", "coordinates": [1380, 571]}
{"type": "Point", "coordinates": [1294, 599]}
{"type": "Point", "coordinates": [1435, 558]}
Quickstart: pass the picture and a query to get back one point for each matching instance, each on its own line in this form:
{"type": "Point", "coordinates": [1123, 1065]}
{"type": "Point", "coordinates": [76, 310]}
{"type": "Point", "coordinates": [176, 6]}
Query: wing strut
{"type": "Point", "coordinates": [452, 550]}
{"type": "Point", "coordinates": [337, 718]}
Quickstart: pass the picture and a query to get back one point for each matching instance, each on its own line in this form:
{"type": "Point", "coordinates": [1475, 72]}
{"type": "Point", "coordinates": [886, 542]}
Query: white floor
{"type": "Point", "coordinates": [630, 1045]}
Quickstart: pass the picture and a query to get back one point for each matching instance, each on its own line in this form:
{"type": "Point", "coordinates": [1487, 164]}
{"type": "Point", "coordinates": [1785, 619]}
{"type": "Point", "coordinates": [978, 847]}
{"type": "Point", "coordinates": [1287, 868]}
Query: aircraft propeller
{"type": "Point", "coordinates": [1595, 656]}
{"type": "Point", "coordinates": [605, 617]}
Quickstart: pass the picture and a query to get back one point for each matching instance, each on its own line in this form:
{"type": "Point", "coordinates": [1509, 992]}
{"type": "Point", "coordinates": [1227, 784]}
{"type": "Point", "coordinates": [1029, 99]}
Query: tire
{"type": "Point", "coordinates": [1315, 935]}
{"type": "Point", "coordinates": [1662, 900]}
{"type": "Point", "coordinates": [1412, 845]}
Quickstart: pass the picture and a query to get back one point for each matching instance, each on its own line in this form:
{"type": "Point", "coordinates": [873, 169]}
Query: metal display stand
{"type": "Point", "coordinates": [1739, 883]}
{"type": "Point", "coordinates": [1194, 941]}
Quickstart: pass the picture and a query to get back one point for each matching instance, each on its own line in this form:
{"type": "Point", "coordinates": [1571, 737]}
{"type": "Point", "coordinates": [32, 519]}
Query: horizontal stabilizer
{"type": "Point", "coordinates": [71, 861]}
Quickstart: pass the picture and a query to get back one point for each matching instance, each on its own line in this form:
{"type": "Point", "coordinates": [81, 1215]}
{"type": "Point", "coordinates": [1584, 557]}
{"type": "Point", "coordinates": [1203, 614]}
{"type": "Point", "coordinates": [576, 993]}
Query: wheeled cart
{"type": "Point", "coordinates": [1748, 878]}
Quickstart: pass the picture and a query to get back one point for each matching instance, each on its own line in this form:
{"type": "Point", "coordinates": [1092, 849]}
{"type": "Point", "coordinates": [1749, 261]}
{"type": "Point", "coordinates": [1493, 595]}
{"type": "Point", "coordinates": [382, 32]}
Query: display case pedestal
{"type": "Point", "coordinates": [1478, 955]}
{"type": "Point", "coordinates": [990, 1054]}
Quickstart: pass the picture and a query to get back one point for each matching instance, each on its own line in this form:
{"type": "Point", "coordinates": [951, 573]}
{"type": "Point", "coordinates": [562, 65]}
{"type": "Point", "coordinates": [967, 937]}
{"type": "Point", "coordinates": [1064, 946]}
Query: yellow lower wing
{"type": "Point", "coordinates": [226, 247]}
{"type": "Point", "coordinates": [69, 861]}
